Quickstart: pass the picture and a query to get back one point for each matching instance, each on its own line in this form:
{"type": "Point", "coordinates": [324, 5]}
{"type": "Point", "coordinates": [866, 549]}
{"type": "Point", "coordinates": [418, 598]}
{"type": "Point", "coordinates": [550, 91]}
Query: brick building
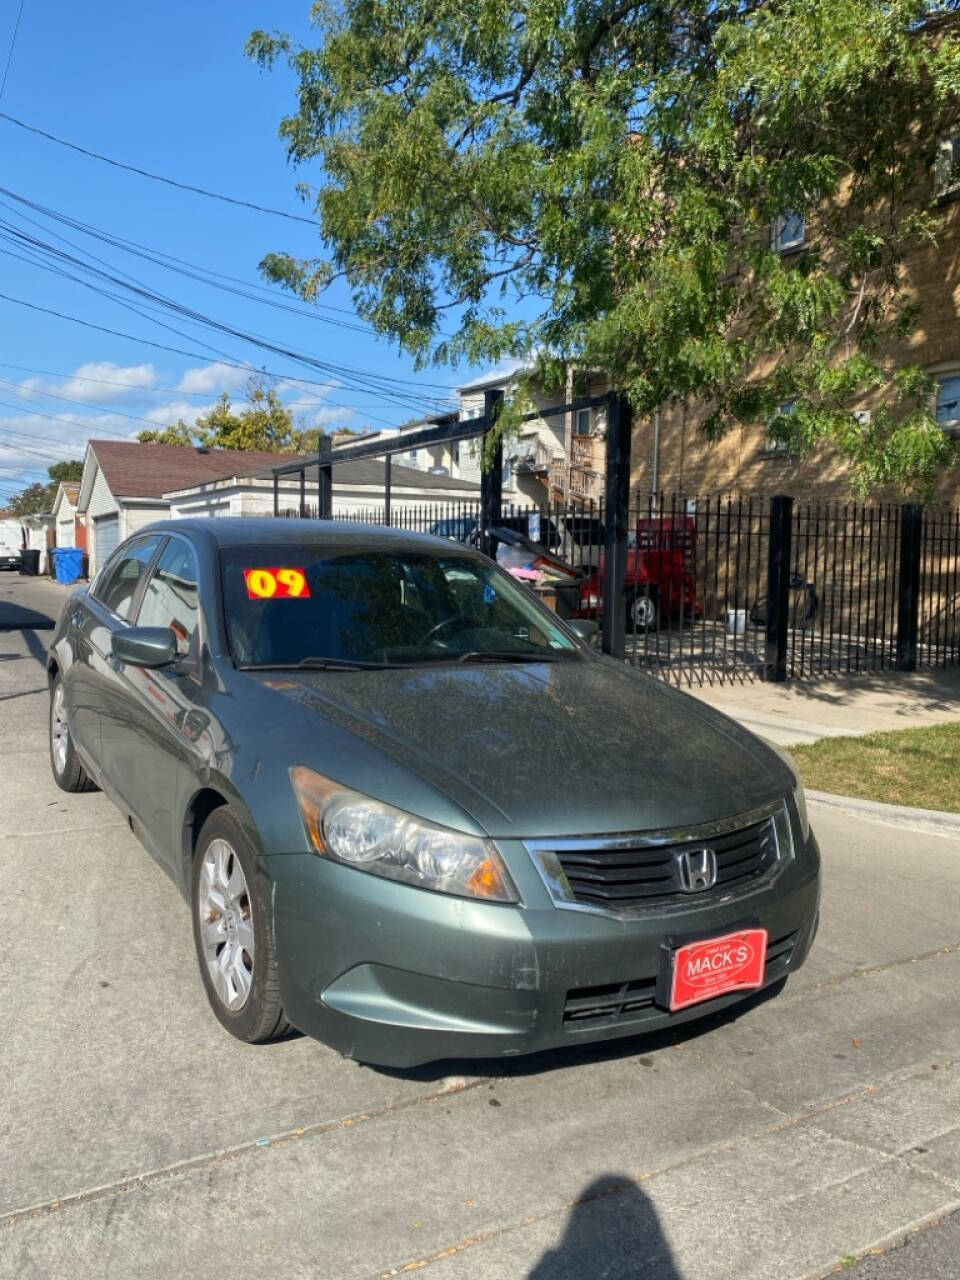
{"type": "Point", "coordinates": [671, 453]}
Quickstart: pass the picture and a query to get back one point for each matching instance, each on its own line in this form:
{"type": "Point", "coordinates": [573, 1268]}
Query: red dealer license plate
{"type": "Point", "coordinates": [704, 970]}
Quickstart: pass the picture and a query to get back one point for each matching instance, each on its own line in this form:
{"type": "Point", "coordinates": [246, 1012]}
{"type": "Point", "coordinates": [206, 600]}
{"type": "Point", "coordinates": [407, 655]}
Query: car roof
{"type": "Point", "coordinates": [238, 531]}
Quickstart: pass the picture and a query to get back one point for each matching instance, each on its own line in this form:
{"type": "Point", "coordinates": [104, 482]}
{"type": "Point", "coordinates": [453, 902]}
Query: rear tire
{"type": "Point", "coordinates": [643, 611]}
{"type": "Point", "coordinates": [233, 932]}
{"type": "Point", "coordinates": [68, 773]}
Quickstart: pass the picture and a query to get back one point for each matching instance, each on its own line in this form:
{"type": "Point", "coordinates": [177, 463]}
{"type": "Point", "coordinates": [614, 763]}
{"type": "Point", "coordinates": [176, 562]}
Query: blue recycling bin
{"type": "Point", "coordinates": [67, 564]}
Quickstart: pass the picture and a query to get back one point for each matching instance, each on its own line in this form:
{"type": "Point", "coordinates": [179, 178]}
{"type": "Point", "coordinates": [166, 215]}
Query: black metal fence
{"type": "Point", "coordinates": [720, 590]}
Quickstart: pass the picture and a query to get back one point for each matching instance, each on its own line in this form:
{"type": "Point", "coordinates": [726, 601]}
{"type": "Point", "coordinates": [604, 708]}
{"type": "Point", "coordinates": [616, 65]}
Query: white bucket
{"type": "Point", "coordinates": [736, 622]}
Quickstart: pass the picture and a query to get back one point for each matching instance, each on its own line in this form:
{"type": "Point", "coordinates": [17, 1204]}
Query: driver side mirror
{"type": "Point", "coordinates": [145, 646]}
{"type": "Point", "coordinates": [585, 628]}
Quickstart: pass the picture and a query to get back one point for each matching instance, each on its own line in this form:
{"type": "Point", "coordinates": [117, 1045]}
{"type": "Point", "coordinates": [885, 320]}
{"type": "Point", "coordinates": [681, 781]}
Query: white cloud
{"type": "Point", "coordinates": [32, 442]}
{"type": "Point", "coordinates": [165, 415]}
{"type": "Point", "coordinates": [326, 417]}
{"type": "Point", "coordinates": [95, 380]}
{"type": "Point", "coordinates": [213, 378]}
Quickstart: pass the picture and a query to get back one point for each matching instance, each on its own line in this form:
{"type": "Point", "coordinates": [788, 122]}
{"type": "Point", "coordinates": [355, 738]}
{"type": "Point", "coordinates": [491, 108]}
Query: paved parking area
{"type": "Point", "coordinates": [138, 1139]}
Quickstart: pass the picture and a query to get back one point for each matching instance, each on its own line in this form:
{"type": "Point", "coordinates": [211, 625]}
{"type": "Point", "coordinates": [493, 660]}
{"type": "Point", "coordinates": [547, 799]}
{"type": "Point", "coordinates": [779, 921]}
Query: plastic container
{"type": "Point", "coordinates": [67, 564]}
{"type": "Point", "coordinates": [29, 562]}
{"type": "Point", "coordinates": [736, 622]}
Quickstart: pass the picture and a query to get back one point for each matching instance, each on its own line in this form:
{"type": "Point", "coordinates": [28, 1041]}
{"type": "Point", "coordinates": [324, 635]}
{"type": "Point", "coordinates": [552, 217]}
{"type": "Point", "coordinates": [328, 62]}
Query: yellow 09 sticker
{"type": "Point", "coordinates": [277, 583]}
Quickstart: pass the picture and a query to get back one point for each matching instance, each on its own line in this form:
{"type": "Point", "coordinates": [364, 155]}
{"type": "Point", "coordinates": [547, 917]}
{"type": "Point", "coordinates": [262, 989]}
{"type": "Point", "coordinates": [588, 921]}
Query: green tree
{"type": "Point", "coordinates": [264, 423]}
{"type": "Point", "coordinates": [38, 498]}
{"type": "Point", "coordinates": [597, 180]}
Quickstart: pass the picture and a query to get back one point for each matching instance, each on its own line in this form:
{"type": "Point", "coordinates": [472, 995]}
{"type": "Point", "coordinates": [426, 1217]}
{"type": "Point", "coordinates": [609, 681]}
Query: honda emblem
{"type": "Point", "coordinates": [697, 869]}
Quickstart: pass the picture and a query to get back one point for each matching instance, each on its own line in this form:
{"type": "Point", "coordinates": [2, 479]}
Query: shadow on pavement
{"type": "Point", "coordinates": [613, 1230]}
{"type": "Point", "coordinates": [14, 617]}
{"type": "Point", "coordinates": [23, 693]}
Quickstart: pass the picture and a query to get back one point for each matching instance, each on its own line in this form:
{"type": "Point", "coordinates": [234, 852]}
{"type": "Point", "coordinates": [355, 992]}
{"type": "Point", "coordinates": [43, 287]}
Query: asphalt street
{"type": "Point", "coordinates": [137, 1138]}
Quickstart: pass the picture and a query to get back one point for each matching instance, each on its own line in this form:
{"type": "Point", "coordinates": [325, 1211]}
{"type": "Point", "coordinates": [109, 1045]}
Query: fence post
{"type": "Point", "coordinates": [491, 478]}
{"type": "Point", "coordinates": [325, 479]}
{"type": "Point", "coordinates": [908, 603]}
{"type": "Point", "coordinates": [387, 484]}
{"type": "Point", "coordinates": [276, 494]}
{"type": "Point", "coordinates": [303, 493]}
{"type": "Point", "coordinates": [616, 515]}
{"type": "Point", "coordinates": [778, 588]}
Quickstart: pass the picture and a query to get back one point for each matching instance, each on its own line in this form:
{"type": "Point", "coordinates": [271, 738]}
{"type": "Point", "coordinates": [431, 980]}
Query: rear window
{"type": "Point", "coordinates": [289, 605]}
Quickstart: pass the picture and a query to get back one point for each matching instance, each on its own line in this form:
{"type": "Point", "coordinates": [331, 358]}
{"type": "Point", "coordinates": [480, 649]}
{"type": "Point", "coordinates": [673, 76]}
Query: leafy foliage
{"type": "Point", "coordinates": [264, 423]}
{"type": "Point", "coordinates": [597, 180]}
{"type": "Point", "coordinates": [39, 498]}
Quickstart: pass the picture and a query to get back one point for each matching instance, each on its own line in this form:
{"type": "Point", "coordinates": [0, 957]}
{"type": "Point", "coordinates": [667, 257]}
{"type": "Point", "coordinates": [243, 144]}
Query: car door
{"type": "Point", "coordinates": [153, 724]}
{"type": "Point", "coordinates": [95, 617]}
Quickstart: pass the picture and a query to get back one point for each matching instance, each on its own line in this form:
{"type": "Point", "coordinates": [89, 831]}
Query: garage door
{"type": "Point", "coordinates": [106, 537]}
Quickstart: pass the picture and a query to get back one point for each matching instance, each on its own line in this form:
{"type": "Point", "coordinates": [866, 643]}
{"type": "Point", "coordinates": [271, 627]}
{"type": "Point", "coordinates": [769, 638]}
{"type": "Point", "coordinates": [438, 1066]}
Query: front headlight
{"type": "Point", "coordinates": [799, 799]}
{"type": "Point", "coordinates": [354, 829]}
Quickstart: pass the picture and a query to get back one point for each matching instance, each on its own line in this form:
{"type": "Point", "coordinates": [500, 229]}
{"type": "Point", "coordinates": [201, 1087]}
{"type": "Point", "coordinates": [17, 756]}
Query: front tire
{"type": "Point", "coordinates": [68, 773]}
{"type": "Point", "coordinates": [233, 933]}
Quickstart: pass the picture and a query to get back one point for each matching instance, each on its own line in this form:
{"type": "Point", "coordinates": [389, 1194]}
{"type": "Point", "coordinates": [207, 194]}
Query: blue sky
{"type": "Point", "coordinates": [165, 87]}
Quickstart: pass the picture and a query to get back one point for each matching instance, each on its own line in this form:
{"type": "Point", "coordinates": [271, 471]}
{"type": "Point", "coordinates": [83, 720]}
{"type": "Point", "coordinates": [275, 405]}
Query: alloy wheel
{"type": "Point", "coordinates": [59, 732]}
{"type": "Point", "coordinates": [643, 611]}
{"type": "Point", "coordinates": [226, 924]}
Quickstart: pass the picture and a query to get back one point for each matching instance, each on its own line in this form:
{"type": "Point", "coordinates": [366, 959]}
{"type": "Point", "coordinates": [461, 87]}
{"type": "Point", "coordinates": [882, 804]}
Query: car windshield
{"type": "Point", "coordinates": [302, 605]}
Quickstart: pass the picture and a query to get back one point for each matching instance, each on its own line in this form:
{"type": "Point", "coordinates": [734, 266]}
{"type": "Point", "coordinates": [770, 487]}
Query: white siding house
{"type": "Point", "coordinates": [65, 514]}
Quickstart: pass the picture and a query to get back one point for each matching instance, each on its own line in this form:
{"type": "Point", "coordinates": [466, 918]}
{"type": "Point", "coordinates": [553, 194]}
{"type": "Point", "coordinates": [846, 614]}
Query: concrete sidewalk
{"type": "Point", "coordinates": [841, 706]}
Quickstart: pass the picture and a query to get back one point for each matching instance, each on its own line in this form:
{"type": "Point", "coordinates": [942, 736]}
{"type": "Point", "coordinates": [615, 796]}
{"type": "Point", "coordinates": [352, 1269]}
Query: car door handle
{"type": "Point", "coordinates": [76, 617]}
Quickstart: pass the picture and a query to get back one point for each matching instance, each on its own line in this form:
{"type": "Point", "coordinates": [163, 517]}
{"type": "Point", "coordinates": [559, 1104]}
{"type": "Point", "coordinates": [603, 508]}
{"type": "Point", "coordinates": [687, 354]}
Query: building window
{"type": "Point", "coordinates": [455, 453]}
{"type": "Point", "coordinates": [584, 423]}
{"type": "Point", "coordinates": [789, 231]}
{"type": "Point", "coordinates": [948, 164]}
{"type": "Point", "coordinates": [948, 401]}
{"type": "Point", "coordinates": [773, 446]}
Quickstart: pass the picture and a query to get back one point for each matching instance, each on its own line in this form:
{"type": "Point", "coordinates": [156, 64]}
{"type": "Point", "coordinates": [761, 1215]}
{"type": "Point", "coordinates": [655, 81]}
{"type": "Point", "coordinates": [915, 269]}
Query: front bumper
{"type": "Point", "coordinates": [398, 976]}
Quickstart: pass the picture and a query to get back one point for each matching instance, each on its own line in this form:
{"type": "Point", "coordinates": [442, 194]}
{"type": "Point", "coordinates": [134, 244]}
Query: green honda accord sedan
{"type": "Point", "coordinates": [414, 814]}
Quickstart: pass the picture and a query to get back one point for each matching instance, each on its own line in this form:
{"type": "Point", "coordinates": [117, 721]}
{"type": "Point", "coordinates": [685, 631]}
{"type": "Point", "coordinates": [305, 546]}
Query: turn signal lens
{"type": "Point", "coordinates": [487, 882]}
{"type": "Point", "coordinates": [355, 829]}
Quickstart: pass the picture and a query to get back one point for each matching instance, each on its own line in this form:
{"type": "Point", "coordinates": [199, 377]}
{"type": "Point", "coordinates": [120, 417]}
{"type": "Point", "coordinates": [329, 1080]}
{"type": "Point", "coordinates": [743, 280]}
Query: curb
{"type": "Point", "coordinates": [933, 821]}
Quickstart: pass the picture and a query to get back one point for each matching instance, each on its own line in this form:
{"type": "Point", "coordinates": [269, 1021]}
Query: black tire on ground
{"type": "Point", "coordinates": [643, 610]}
{"type": "Point", "coordinates": [261, 1018]}
{"type": "Point", "coordinates": [71, 776]}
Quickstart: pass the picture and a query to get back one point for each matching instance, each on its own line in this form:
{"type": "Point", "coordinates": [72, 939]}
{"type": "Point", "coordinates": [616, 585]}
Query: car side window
{"type": "Point", "coordinates": [170, 598]}
{"type": "Point", "coordinates": [118, 589]}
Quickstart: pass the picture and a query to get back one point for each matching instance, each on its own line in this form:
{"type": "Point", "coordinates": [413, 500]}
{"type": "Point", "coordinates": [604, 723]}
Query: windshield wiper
{"type": "Point", "coordinates": [506, 655]}
{"type": "Point", "coordinates": [322, 664]}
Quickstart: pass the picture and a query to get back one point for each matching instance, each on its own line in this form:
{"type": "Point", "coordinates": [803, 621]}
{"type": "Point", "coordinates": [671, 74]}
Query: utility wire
{"type": "Point", "coordinates": [156, 177]}
{"type": "Point", "coordinates": [214, 279]}
{"type": "Point", "coordinates": [13, 42]}
{"type": "Point", "coordinates": [132, 387]}
{"type": "Point", "coordinates": [148, 342]}
{"type": "Point", "coordinates": [389, 387]}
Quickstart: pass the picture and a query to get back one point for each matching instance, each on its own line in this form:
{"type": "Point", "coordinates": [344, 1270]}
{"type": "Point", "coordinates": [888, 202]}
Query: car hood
{"type": "Point", "coordinates": [560, 748]}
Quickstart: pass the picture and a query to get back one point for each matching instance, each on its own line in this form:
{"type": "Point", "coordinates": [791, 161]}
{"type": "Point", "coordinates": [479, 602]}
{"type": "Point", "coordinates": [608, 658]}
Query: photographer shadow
{"type": "Point", "coordinates": [613, 1233]}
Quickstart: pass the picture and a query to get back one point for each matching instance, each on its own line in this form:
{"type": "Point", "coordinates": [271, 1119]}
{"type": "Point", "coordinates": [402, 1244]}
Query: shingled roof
{"type": "Point", "coordinates": [134, 470]}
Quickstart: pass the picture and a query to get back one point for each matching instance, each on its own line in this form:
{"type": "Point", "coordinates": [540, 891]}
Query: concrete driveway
{"type": "Point", "coordinates": [138, 1139]}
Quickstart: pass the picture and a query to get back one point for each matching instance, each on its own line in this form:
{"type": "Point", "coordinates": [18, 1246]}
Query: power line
{"type": "Point", "coordinates": [194, 271]}
{"type": "Point", "coordinates": [13, 42]}
{"type": "Point", "coordinates": [348, 376]}
{"type": "Point", "coordinates": [156, 177]}
{"type": "Point", "coordinates": [387, 386]}
{"type": "Point", "coordinates": [148, 342]}
{"type": "Point", "coordinates": [317, 403]}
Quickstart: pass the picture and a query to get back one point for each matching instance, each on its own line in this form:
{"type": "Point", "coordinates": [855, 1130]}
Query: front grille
{"type": "Point", "coordinates": [620, 879]}
{"type": "Point", "coordinates": [627, 1001]}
